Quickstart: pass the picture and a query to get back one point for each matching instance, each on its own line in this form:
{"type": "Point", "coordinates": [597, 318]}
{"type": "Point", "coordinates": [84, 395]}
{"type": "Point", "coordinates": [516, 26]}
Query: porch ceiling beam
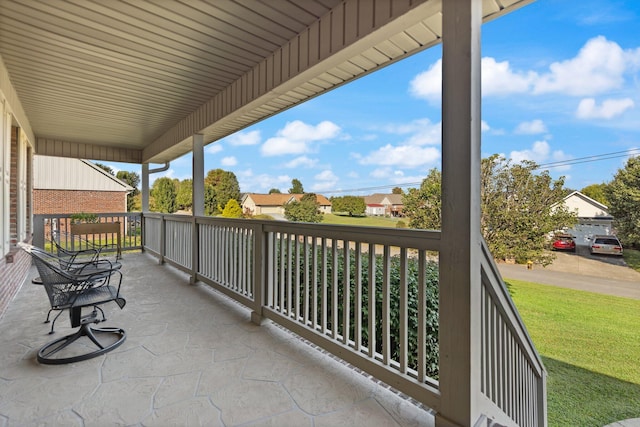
{"type": "Point", "coordinates": [78, 150]}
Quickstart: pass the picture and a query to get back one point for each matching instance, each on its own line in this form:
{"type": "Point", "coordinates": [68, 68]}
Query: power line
{"type": "Point", "coordinates": [588, 159]}
{"type": "Point", "coordinates": [556, 164]}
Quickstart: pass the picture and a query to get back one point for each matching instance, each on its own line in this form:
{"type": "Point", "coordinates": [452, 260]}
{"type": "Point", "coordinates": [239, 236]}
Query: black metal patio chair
{"type": "Point", "coordinates": [74, 290]}
{"type": "Point", "coordinates": [85, 262]}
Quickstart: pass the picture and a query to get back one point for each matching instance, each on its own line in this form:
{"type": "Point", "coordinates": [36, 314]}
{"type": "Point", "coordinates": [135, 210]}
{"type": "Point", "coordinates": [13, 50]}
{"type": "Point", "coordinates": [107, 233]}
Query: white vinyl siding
{"type": "Point", "coordinates": [62, 173]}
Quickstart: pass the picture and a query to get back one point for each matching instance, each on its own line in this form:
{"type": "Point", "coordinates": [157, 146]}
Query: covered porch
{"type": "Point", "coordinates": [143, 83]}
{"type": "Point", "coordinates": [192, 357]}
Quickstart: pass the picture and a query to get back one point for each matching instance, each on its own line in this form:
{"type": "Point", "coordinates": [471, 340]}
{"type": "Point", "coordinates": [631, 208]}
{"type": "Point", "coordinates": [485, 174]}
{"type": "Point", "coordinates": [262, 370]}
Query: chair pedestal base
{"type": "Point", "coordinates": [45, 355]}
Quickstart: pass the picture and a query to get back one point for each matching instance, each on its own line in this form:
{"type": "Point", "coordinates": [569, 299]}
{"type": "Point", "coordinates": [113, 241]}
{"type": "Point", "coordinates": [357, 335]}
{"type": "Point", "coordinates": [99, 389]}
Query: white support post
{"type": "Point", "coordinates": [460, 276]}
{"type": "Point", "coordinates": [145, 187]}
{"type": "Point", "coordinates": [197, 200]}
{"type": "Point", "coordinates": [198, 175]}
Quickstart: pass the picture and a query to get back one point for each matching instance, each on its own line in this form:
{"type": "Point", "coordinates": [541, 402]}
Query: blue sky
{"type": "Point", "coordinates": [561, 82]}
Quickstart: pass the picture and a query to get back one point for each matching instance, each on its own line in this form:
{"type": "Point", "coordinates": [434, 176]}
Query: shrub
{"type": "Point", "coordinates": [336, 319]}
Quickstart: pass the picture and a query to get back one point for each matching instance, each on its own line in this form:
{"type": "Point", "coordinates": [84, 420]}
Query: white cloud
{"type": "Point", "coordinates": [245, 138]}
{"type": "Point", "coordinates": [425, 133]}
{"type": "Point", "coordinates": [540, 152]}
{"type": "Point", "coordinates": [229, 161]}
{"type": "Point", "coordinates": [297, 138]}
{"type": "Point", "coordinates": [261, 183]}
{"type": "Point", "coordinates": [531, 128]}
{"type": "Point", "coordinates": [325, 180]}
{"type": "Point", "coordinates": [428, 84]}
{"type": "Point", "coordinates": [484, 126]}
{"type": "Point", "coordinates": [598, 67]}
{"type": "Point", "coordinates": [408, 156]}
{"type": "Point", "coordinates": [302, 161]}
{"type": "Point", "coordinates": [610, 108]}
{"type": "Point", "coordinates": [214, 148]}
{"type": "Point", "coordinates": [279, 146]}
{"type": "Point", "coordinates": [395, 176]}
{"type": "Point", "coordinates": [498, 78]}
{"type": "Point", "coordinates": [537, 153]}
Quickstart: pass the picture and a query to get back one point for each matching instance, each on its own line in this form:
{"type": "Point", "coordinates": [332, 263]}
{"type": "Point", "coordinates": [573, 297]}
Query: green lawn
{"type": "Point", "coordinates": [590, 344]}
{"type": "Point", "coordinates": [632, 258]}
{"type": "Point", "coordinates": [371, 221]}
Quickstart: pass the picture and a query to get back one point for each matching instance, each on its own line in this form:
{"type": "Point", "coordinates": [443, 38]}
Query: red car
{"type": "Point", "coordinates": [564, 243]}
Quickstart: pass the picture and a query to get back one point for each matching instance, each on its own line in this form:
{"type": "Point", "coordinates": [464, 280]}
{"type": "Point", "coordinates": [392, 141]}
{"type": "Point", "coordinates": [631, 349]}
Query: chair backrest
{"type": "Point", "coordinates": [62, 289]}
{"type": "Point", "coordinates": [86, 251]}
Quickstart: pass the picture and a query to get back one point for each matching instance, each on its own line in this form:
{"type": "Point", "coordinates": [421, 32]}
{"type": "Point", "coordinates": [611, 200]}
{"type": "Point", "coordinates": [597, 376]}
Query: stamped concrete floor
{"type": "Point", "coordinates": [191, 357]}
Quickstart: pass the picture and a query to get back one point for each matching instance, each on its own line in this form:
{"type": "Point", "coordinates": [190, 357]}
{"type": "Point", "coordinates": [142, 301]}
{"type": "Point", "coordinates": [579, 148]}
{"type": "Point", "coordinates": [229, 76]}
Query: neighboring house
{"type": "Point", "coordinates": [384, 205]}
{"type": "Point", "coordinates": [66, 186]}
{"type": "Point", "coordinates": [269, 204]}
{"type": "Point", "coordinates": [593, 217]}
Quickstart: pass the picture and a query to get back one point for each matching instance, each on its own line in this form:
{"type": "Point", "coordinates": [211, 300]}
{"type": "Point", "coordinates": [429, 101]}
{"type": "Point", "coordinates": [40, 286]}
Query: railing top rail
{"type": "Point", "coordinates": [417, 239]}
{"type": "Point", "coordinates": [409, 238]}
{"type": "Point", "coordinates": [99, 215]}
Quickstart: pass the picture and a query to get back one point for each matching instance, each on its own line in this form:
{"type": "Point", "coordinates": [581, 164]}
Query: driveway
{"type": "Point", "coordinates": [583, 271]}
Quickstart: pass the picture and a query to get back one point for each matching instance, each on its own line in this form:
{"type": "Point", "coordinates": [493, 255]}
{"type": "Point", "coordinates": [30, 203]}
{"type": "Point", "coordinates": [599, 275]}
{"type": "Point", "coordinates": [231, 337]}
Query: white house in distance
{"type": "Point", "coordinates": [269, 204]}
{"type": "Point", "coordinates": [593, 217]}
{"type": "Point", "coordinates": [384, 204]}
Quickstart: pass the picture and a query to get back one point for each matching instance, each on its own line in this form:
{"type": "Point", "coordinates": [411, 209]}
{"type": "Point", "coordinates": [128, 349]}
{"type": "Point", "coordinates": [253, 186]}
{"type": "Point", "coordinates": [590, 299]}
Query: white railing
{"type": "Point", "coordinates": [48, 226]}
{"type": "Point", "coordinates": [513, 375]}
{"type": "Point", "coordinates": [226, 256]}
{"type": "Point", "coordinates": [178, 240]}
{"type": "Point", "coordinates": [365, 295]}
{"type": "Point", "coordinates": [153, 231]}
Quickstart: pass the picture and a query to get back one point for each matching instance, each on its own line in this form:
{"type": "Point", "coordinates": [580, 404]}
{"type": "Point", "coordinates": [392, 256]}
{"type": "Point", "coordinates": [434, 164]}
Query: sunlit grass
{"type": "Point", "coordinates": [591, 347]}
{"type": "Point", "coordinates": [371, 221]}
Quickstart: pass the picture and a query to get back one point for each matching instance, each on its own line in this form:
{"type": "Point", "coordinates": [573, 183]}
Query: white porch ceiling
{"type": "Point", "coordinates": [133, 80]}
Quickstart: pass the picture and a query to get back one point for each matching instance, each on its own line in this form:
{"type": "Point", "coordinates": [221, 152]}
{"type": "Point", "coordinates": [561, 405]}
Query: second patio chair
{"type": "Point", "coordinates": [74, 291]}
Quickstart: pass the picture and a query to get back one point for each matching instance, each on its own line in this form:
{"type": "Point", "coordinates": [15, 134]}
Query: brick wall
{"type": "Point", "coordinates": [13, 276]}
{"type": "Point", "coordinates": [74, 201]}
{"type": "Point", "coordinates": [13, 266]}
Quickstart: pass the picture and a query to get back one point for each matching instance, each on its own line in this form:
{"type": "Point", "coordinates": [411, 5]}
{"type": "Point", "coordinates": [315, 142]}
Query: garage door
{"type": "Point", "coordinates": [585, 230]}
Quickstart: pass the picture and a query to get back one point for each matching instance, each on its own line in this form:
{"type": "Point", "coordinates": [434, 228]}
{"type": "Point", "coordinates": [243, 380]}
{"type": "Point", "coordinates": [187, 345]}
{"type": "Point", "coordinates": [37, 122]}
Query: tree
{"type": "Point", "coordinates": [423, 206]}
{"type": "Point", "coordinates": [164, 195]}
{"type": "Point", "coordinates": [220, 187]}
{"type": "Point", "coordinates": [106, 168]}
{"type": "Point", "coordinates": [353, 205]}
{"type": "Point", "coordinates": [305, 210]}
{"type": "Point", "coordinates": [275, 191]}
{"type": "Point", "coordinates": [597, 192]}
{"type": "Point", "coordinates": [397, 190]}
{"type": "Point", "coordinates": [133, 180]}
{"type": "Point", "coordinates": [623, 194]}
{"type": "Point", "coordinates": [519, 208]}
{"type": "Point", "coordinates": [184, 196]}
{"type": "Point", "coordinates": [296, 187]}
{"type": "Point", "coordinates": [232, 209]}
